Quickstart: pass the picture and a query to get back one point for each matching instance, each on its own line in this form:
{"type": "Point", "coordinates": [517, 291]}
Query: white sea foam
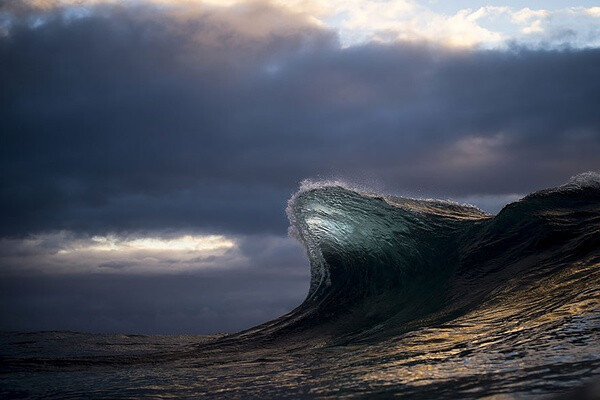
{"type": "Point", "coordinates": [590, 179]}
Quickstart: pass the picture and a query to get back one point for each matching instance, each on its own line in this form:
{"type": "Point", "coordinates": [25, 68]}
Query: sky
{"type": "Point", "coordinates": [148, 148]}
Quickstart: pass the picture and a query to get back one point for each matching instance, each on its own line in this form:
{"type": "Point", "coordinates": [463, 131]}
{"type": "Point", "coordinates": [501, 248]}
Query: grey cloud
{"type": "Point", "coordinates": [117, 265]}
{"type": "Point", "coordinates": [134, 119]}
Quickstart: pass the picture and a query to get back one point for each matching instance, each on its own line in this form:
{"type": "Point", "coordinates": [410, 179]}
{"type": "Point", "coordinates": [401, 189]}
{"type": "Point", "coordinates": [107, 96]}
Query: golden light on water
{"type": "Point", "coordinates": [491, 335]}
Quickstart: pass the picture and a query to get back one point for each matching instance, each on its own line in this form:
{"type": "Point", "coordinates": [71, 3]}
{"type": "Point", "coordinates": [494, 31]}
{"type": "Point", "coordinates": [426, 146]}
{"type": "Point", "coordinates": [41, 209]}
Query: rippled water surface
{"type": "Point", "coordinates": [515, 344]}
{"type": "Point", "coordinates": [485, 352]}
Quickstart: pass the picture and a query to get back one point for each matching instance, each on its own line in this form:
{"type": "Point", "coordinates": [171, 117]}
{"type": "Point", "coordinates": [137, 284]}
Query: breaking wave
{"type": "Point", "coordinates": [382, 265]}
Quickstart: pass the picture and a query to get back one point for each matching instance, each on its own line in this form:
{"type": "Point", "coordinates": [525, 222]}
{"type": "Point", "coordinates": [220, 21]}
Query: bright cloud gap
{"type": "Point", "coordinates": [187, 243]}
{"type": "Point", "coordinates": [65, 252]}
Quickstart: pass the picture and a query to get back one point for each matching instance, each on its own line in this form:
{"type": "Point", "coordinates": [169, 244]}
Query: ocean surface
{"type": "Point", "coordinates": [420, 299]}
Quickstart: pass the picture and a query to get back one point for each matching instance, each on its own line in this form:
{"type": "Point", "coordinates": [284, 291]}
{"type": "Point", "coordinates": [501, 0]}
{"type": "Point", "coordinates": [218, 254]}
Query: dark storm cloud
{"type": "Point", "coordinates": [134, 118]}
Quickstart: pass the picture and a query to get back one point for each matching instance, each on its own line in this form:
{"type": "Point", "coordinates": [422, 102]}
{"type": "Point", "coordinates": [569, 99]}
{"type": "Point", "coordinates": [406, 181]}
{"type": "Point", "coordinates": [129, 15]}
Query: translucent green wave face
{"type": "Point", "coordinates": [366, 241]}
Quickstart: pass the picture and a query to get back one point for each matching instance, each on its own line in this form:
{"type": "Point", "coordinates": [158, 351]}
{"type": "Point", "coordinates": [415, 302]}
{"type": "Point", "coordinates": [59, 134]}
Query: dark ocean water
{"type": "Point", "coordinates": [409, 298]}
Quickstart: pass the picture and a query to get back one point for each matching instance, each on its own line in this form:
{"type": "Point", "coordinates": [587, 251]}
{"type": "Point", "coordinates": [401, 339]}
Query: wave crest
{"type": "Point", "coordinates": [383, 264]}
